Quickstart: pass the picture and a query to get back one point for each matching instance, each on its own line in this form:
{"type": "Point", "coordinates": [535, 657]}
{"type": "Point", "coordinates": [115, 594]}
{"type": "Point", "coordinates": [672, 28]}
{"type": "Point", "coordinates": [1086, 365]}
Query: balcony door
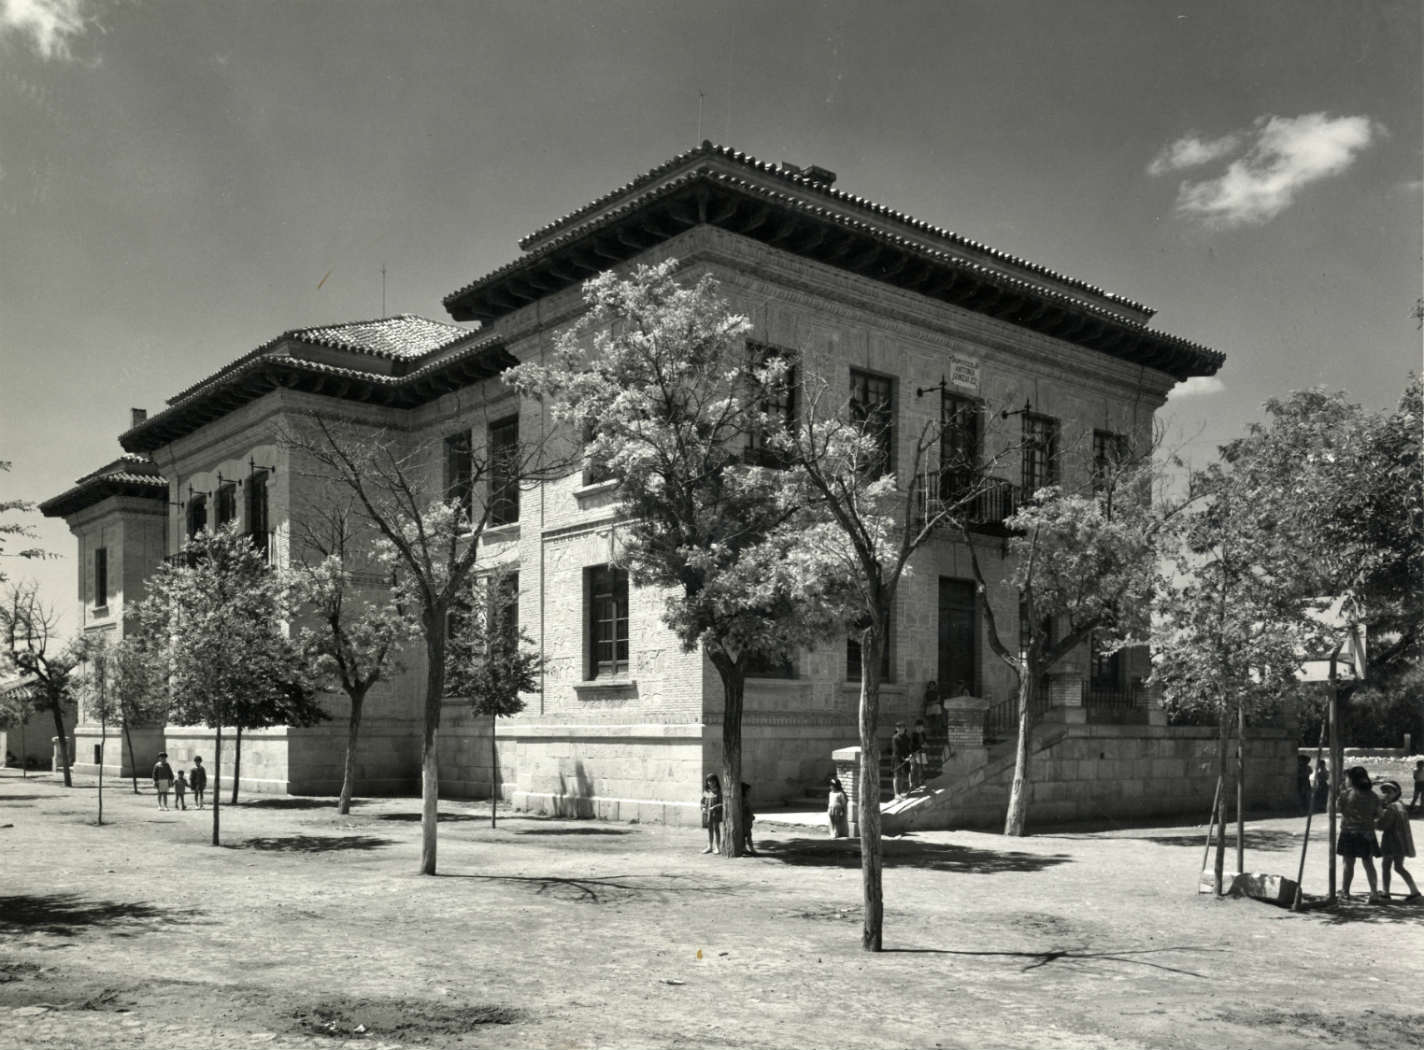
{"type": "Point", "coordinates": [958, 637]}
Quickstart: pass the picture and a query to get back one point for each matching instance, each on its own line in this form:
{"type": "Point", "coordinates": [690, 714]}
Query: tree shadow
{"type": "Point", "coordinates": [1351, 913]}
{"type": "Point", "coordinates": [294, 803]}
{"type": "Point", "coordinates": [1036, 959]}
{"type": "Point", "coordinates": [312, 843]}
{"type": "Point", "coordinates": [68, 914]}
{"type": "Point", "coordinates": [444, 818]}
{"type": "Point", "coordinates": [593, 889]}
{"type": "Point", "coordinates": [907, 853]}
{"type": "Point", "coordinates": [574, 831]}
{"type": "Point", "coordinates": [20, 798]}
{"type": "Point", "coordinates": [1265, 839]}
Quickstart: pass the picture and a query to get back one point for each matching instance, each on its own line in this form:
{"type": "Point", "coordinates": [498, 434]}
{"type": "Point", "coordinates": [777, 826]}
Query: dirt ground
{"type": "Point", "coordinates": [308, 929]}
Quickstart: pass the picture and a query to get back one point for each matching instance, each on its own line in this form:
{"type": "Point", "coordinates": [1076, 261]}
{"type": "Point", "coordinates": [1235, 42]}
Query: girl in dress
{"type": "Point", "coordinates": [837, 810]}
{"type": "Point", "coordinates": [1396, 840]}
{"type": "Point", "coordinates": [712, 812]}
{"type": "Point", "coordinates": [1359, 809]}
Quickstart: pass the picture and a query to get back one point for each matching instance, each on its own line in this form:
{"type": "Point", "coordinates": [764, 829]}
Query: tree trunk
{"type": "Point", "coordinates": [1336, 761]}
{"type": "Point", "coordinates": [429, 745]}
{"type": "Point", "coordinates": [1017, 815]}
{"type": "Point", "coordinates": [353, 729]}
{"type": "Point", "coordinates": [734, 829]}
{"type": "Point", "coordinates": [1240, 787]}
{"type": "Point", "coordinates": [63, 744]}
{"type": "Point", "coordinates": [494, 766]}
{"type": "Point", "coordinates": [868, 805]}
{"type": "Point", "coordinates": [217, 780]}
{"type": "Point", "coordinates": [1221, 738]}
{"type": "Point", "coordinates": [133, 765]}
{"type": "Point", "coordinates": [236, 762]}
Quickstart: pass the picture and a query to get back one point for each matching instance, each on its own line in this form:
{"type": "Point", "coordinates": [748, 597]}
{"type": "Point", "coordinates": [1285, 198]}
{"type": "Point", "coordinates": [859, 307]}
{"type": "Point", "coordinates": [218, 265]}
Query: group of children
{"type": "Point", "coordinates": [712, 814]}
{"type": "Point", "coordinates": [1362, 812]}
{"type": "Point", "coordinates": [164, 782]}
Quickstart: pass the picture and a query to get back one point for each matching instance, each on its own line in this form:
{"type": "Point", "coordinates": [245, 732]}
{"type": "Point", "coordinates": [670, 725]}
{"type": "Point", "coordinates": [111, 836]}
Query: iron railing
{"type": "Point", "coordinates": [972, 497]}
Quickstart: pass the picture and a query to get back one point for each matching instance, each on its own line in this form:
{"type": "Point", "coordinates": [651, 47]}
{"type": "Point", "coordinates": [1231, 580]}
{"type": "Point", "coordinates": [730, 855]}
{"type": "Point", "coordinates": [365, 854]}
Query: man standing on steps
{"type": "Point", "coordinates": [900, 750]}
{"type": "Point", "coordinates": [919, 742]}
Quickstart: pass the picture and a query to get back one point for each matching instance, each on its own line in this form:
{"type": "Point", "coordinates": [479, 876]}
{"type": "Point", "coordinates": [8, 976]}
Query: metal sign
{"type": "Point", "coordinates": [964, 372]}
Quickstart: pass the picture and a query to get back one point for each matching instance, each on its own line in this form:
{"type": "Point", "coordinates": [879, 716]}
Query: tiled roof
{"type": "Point", "coordinates": [128, 467]}
{"type": "Point", "coordinates": [805, 184]}
{"type": "Point", "coordinates": [405, 337]}
{"type": "Point", "coordinates": [129, 475]}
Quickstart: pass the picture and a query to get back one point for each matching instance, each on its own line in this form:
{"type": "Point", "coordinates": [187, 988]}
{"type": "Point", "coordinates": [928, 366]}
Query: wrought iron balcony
{"type": "Point", "coordinates": [980, 501]}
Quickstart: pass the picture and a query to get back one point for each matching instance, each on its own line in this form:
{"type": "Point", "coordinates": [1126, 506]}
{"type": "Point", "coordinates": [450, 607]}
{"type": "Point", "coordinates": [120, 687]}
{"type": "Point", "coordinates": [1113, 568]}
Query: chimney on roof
{"type": "Point", "coordinates": [137, 416]}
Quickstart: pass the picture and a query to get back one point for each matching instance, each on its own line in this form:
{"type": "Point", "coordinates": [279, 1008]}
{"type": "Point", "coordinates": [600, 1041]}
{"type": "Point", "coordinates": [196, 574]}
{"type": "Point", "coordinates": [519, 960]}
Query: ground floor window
{"type": "Point", "coordinates": [606, 615]}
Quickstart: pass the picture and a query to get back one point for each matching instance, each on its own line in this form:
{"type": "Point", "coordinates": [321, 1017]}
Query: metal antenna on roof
{"type": "Point", "coordinates": [383, 289]}
{"type": "Point", "coordinates": [699, 117]}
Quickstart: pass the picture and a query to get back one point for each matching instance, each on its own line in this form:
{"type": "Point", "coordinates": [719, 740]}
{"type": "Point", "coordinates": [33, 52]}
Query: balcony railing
{"type": "Point", "coordinates": [265, 542]}
{"type": "Point", "coordinates": [980, 501]}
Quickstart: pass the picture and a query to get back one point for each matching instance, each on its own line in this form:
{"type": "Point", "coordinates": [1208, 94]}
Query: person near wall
{"type": "Point", "coordinates": [933, 710]}
{"type": "Point", "coordinates": [1320, 784]}
{"type": "Point", "coordinates": [712, 812]}
{"type": "Point", "coordinates": [1302, 783]}
{"type": "Point", "coordinates": [919, 759]}
{"type": "Point", "coordinates": [162, 779]}
{"type": "Point", "coordinates": [838, 810]}
{"type": "Point", "coordinates": [198, 781]}
{"type": "Point", "coordinates": [748, 818]}
{"type": "Point", "coordinates": [900, 760]}
{"type": "Point", "coordinates": [1359, 809]}
{"type": "Point", "coordinates": [180, 791]}
{"type": "Point", "coordinates": [1396, 839]}
{"type": "Point", "coordinates": [1418, 785]}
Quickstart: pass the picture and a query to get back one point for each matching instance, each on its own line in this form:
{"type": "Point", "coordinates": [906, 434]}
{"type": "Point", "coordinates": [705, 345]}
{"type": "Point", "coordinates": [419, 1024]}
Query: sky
{"type": "Point", "coordinates": [182, 180]}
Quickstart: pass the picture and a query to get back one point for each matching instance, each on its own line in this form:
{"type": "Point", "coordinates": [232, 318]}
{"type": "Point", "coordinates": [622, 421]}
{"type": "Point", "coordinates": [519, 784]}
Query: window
{"type": "Point", "coordinates": [101, 577]}
{"type": "Point", "coordinates": [503, 446]}
{"type": "Point", "coordinates": [777, 401]}
{"type": "Point", "coordinates": [459, 472]}
{"type": "Point", "coordinates": [1040, 452]}
{"type": "Point", "coordinates": [872, 405]}
{"type": "Point", "coordinates": [759, 666]}
{"type": "Point", "coordinates": [594, 470]}
{"type": "Point", "coordinates": [1105, 669]}
{"type": "Point", "coordinates": [503, 598]}
{"type": "Point", "coordinates": [226, 503]}
{"type": "Point", "coordinates": [1109, 453]}
{"type": "Point", "coordinates": [960, 445]}
{"type": "Point", "coordinates": [257, 526]}
{"type": "Point", "coordinates": [197, 512]}
{"type": "Point", "coordinates": [606, 588]}
{"type": "Point", "coordinates": [854, 664]}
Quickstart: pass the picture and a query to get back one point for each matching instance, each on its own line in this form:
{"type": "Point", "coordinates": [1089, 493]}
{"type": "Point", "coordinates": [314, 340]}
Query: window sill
{"type": "Point", "coordinates": [607, 688]}
{"type": "Point", "coordinates": [500, 533]}
{"type": "Point", "coordinates": [597, 488]}
{"type": "Point", "coordinates": [100, 610]}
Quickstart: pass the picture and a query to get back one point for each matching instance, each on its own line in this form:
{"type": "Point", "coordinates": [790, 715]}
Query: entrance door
{"type": "Point", "coordinates": [958, 637]}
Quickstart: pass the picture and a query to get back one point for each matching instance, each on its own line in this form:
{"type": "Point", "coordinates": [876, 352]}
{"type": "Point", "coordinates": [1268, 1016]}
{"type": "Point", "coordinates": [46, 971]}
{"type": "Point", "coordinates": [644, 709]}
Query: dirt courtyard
{"type": "Point", "coordinates": [309, 929]}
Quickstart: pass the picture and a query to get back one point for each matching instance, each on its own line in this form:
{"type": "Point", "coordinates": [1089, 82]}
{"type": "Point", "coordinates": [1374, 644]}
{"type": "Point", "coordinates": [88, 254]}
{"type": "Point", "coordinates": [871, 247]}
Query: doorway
{"type": "Point", "coordinates": [958, 637]}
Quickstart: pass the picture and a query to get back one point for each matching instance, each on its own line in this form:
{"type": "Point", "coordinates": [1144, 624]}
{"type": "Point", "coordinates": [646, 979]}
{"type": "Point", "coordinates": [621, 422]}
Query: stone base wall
{"type": "Point", "coordinates": [117, 760]}
{"type": "Point", "coordinates": [1106, 773]}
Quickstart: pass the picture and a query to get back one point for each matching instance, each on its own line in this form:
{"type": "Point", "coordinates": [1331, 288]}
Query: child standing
{"type": "Point", "coordinates": [162, 779]}
{"type": "Point", "coordinates": [836, 810]}
{"type": "Point", "coordinates": [180, 790]}
{"type": "Point", "coordinates": [1418, 784]}
{"type": "Point", "coordinates": [1359, 809]}
{"type": "Point", "coordinates": [1396, 840]}
{"type": "Point", "coordinates": [198, 780]}
{"type": "Point", "coordinates": [712, 812]}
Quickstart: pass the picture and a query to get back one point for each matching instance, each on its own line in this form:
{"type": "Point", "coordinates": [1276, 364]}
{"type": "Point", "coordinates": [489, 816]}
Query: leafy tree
{"type": "Point", "coordinates": [359, 626]}
{"type": "Point", "coordinates": [295, 704]}
{"type": "Point", "coordinates": [32, 649]}
{"type": "Point", "coordinates": [16, 530]}
{"type": "Point", "coordinates": [1082, 566]}
{"type": "Point", "coordinates": [429, 545]}
{"type": "Point", "coordinates": [129, 689]}
{"type": "Point", "coordinates": [671, 397]}
{"type": "Point", "coordinates": [215, 616]}
{"type": "Point", "coordinates": [491, 661]}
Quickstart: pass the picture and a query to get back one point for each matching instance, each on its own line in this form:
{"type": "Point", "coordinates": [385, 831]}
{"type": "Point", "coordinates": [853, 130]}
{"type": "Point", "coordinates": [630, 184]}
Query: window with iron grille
{"type": "Point", "coordinates": [872, 405]}
{"type": "Point", "coordinates": [777, 401]}
{"type": "Point", "coordinates": [606, 588]}
{"type": "Point", "coordinates": [960, 444]}
{"type": "Point", "coordinates": [504, 609]}
{"type": "Point", "coordinates": [1105, 668]}
{"type": "Point", "coordinates": [197, 513]}
{"type": "Point", "coordinates": [101, 577]}
{"type": "Point", "coordinates": [257, 526]}
{"type": "Point", "coordinates": [459, 471]}
{"type": "Point", "coordinates": [226, 503]}
{"type": "Point", "coordinates": [1109, 453]}
{"type": "Point", "coordinates": [1040, 452]}
{"type": "Point", "coordinates": [503, 448]}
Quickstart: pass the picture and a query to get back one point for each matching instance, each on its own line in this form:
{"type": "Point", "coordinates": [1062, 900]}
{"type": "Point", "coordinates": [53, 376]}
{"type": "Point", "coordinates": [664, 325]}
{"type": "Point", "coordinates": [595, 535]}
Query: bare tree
{"type": "Point", "coordinates": [32, 649]}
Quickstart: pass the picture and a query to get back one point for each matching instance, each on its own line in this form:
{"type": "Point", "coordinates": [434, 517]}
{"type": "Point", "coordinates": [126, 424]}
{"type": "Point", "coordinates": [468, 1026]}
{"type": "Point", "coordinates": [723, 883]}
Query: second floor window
{"type": "Point", "coordinates": [257, 526]}
{"type": "Point", "coordinates": [1040, 452]}
{"type": "Point", "coordinates": [503, 449]}
{"type": "Point", "coordinates": [594, 470]}
{"type": "Point", "coordinates": [197, 513]}
{"type": "Point", "coordinates": [101, 577]}
{"type": "Point", "coordinates": [607, 619]}
{"type": "Point", "coordinates": [872, 406]}
{"type": "Point", "coordinates": [1105, 669]}
{"type": "Point", "coordinates": [960, 441]}
{"type": "Point", "coordinates": [777, 401]}
{"type": "Point", "coordinates": [459, 472]}
{"type": "Point", "coordinates": [226, 503]}
{"type": "Point", "coordinates": [1109, 453]}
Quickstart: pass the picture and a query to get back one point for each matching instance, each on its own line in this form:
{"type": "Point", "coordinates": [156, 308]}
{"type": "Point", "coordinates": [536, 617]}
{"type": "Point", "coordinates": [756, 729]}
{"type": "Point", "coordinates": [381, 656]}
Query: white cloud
{"type": "Point", "coordinates": [1196, 386]}
{"type": "Point", "coordinates": [1281, 156]}
{"type": "Point", "coordinates": [46, 25]}
{"type": "Point", "coordinates": [1190, 151]}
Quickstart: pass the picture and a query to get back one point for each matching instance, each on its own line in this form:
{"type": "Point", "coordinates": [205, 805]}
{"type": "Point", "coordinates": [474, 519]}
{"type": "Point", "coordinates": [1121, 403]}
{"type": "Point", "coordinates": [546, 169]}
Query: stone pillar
{"type": "Point", "coordinates": [1065, 691]}
{"type": "Point", "coordinates": [56, 762]}
{"type": "Point", "coordinates": [847, 760]}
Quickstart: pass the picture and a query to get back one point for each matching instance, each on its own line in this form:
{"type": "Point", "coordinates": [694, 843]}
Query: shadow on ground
{"type": "Point", "coordinates": [19, 798]}
{"type": "Point", "coordinates": [1035, 959]}
{"type": "Point", "coordinates": [312, 843]}
{"type": "Point", "coordinates": [907, 853]}
{"type": "Point", "coordinates": [1357, 912]}
{"type": "Point", "coordinates": [67, 914]}
{"type": "Point", "coordinates": [573, 831]}
{"type": "Point", "coordinates": [295, 803]}
{"type": "Point", "coordinates": [598, 889]}
{"type": "Point", "coordinates": [1264, 839]}
{"type": "Point", "coordinates": [445, 818]}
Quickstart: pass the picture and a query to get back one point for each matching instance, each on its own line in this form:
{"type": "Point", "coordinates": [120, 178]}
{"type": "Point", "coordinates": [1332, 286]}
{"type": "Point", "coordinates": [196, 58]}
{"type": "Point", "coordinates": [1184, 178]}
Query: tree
{"type": "Point", "coordinates": [491, 661]}
{"type": "Point", "coordinates": [129, 689]}
{"type": "Point", "coordinates": [868, 521]}
{"type": "Point", "coordinates": [215, 616]}
{"type": "Point", "coordinates": [1083, 567]}
{"type": "Point", "coordinates": [360, 627]}
{"type": "Point", "coordinates": [430, 545]}
{"type": "Point", "coordinates": [53, 668]}
{"type": "Point", "coordinates": [294, 704]}
{"type": "Point", "coordinates": [16, 530]}
{"type": "Point", "coordinates": [671, 399]}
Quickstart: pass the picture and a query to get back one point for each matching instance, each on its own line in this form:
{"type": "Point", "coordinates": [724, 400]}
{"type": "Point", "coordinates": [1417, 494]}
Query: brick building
{"type": "Point", "coordinates": [1041, 376]}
